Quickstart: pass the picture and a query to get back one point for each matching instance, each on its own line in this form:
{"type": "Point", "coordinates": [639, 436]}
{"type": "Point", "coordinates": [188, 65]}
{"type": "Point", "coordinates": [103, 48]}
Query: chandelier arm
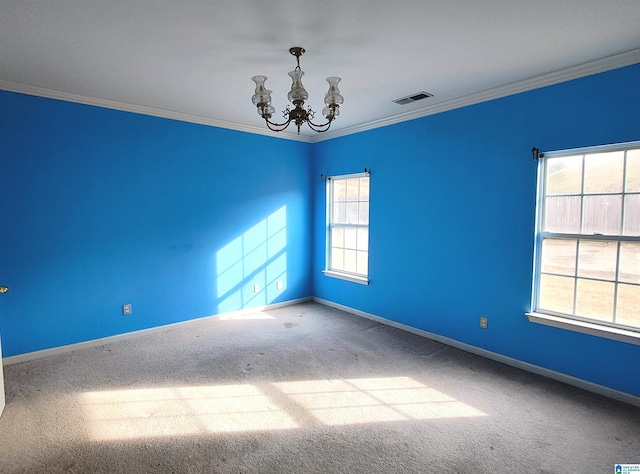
{"type": "Point", "coordinates": [320, 127]}
{"type": "Point", "coordinates": [277, 127]}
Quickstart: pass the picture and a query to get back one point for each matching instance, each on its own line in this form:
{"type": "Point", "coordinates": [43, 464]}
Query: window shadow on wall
{"type": "Point", "coordinates": [252, 268]}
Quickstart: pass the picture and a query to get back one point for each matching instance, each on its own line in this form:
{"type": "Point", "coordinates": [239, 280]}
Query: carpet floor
{"type": "Point", "coordinates": [301, 389]}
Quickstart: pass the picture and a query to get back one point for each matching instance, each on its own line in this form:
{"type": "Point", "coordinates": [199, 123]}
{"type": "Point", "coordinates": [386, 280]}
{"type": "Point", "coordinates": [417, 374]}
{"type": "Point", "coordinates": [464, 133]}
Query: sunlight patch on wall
{"type": "Point", "coordinates": [197, 410]}
{"type": "Point", "coordinates": [255, 259]}
{"type": "Point", "coordinates": [181, 411]}
{"type": "Point", "coordinates": [354, 401]}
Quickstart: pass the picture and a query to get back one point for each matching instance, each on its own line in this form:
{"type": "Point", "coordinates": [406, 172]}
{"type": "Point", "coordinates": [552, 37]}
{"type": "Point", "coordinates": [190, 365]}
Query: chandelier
{"type": "Point", "coordinates": [297, 96]}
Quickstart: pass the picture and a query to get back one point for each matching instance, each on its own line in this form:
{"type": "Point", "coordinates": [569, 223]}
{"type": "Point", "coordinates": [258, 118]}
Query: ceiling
{"type": "Point", "coordinates": [193, 60]}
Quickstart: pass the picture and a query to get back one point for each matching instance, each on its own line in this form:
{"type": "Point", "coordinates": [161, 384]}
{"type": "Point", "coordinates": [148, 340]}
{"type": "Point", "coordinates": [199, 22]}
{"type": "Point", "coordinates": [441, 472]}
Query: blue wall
{"type": "Point", "coordinates": [103, 207]}
{"type": "Point", "coordinates": [452, 219]}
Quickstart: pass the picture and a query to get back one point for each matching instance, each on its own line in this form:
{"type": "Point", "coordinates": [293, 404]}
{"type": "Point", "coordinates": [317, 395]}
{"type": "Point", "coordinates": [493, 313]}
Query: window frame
{"type": "Point", "coordinates": [361, 278]}
{"type": "Point", "coordinates": [610, 330]}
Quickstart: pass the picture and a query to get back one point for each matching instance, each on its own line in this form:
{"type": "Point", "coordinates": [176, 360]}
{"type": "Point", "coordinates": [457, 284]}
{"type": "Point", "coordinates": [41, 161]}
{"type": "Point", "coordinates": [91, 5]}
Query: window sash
{"type": "Point", "coordinates": [341, 256]}
{"type": "Point", "coordinates": [577, 282]}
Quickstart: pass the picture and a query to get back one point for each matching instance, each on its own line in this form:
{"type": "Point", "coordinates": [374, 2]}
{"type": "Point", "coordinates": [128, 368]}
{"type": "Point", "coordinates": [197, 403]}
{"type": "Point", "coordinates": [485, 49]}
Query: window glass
{"type": "Point", "coordinates": [556, 293]}
{"type": "Point", "coordinates": [594, 299]}
{"type": "Point", "coordinates": [350, 238]}
{"type": "Point", "coordinates": [340, 213]}
{"type": "Point", "coordinates": [363, 239]}
{"type": "Point", "coordinates": [564, 175]}
{"type": "Point", "coordinates": [562, 214]}
{"type": "Point", "coordinates": [632, 181]}
{"type": "Point", "coordinates": [559, 256]}
{"type": "Point", "coordinates": [337, 236]}
{"type": "Point", "coordinates": [630, 262]}
{"type": "Point", "coordinates": [363, 263]}
{"type": "Point", "coordinates": [603, 172]}
{"type": "Point", "coordinates": [628, 305]}
{"type": "Point", "coordinates": [353, 189]}
{"type": "Point", "coordinates": [602, 214]}
{"type": "Point", "coordinates": [337, 258]}
{"type": "Point", "coordinates": [597, 259]}
{"type": "Point", "coordinates": [632, 214]}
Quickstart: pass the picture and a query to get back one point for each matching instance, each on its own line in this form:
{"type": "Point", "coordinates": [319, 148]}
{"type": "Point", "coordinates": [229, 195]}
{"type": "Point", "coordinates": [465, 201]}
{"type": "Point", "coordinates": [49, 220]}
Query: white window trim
{"type": "Point", "coordinates": [584, 327]}
{"type": "Point", "coordinates": [341, 275]}
{"type": "Point", "coordinates": [592, 328]}
{"type": "Point", "coordinates": [346, 276]}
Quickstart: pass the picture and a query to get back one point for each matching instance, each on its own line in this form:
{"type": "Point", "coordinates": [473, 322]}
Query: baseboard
{"type": "Point", "coordinates": [552, 374]}
{"type": "Point", "coordinates": [143, 332]}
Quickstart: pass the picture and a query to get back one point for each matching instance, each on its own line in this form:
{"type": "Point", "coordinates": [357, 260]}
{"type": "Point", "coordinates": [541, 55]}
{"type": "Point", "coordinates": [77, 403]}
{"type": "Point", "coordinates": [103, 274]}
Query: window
{"type": "Point", "coordinates": [588, 237]}
{"type": "Point", "coordinates": [348, 227]}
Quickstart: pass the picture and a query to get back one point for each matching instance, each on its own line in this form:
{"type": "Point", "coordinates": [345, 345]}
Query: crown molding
{"type": "Point", "coordinates": [144, 110]}
{"type": "Point", "coordinates": [549, 79]}
{"type": "Point", "coordinates": [556, 77]}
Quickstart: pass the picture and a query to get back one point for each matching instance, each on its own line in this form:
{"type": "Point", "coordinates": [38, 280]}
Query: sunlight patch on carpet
{"type": "Point", "coordinates": [371, 400]}
{"type": "Point", "coordinates": [197, 410]}
{"type": "Point", "coordinates": [180, 411]}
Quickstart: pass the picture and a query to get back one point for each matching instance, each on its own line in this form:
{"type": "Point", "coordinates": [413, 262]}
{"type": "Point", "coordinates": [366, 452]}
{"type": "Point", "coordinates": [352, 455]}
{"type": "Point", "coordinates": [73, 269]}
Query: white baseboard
{"type": "Point", "coordinates": [559, 376]}
{"type": "Point", "coordinates": [143, 332]}
{"type": "Point", "coordinates": [552, 374]}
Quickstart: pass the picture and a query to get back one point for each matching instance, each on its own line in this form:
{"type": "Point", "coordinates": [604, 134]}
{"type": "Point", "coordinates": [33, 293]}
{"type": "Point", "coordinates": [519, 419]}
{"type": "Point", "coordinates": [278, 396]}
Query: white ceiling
{"type": "Point", "coordinates": [194, 59]}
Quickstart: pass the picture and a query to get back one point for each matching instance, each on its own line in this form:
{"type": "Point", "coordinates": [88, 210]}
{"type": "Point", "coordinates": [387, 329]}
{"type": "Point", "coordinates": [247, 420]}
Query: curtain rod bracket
{"type": "Point", "coordinates": [536, 154]}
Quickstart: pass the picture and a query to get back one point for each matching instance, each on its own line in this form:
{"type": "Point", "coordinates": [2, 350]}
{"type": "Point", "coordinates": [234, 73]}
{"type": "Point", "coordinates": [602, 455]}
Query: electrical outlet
{"type": "Point", "coordinates": [126, 309]}
{"type": "Point", "coordinates": [278, 285]}
{"type": "Point", "coordinates": [256, 288]}
{"type": "Point", "coordinates": [484, 322]}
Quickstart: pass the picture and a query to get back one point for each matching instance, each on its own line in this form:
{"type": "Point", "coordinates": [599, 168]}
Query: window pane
{"type": "Point", "coordinates": [350, 238]}
{"type": "Point", "coordinates": [556, 293]}
{"type": "Point", "coordinates": [337, 237]}
{"type": "Point", "coordinates": [633, 171]}
{"type": "Point", "coordinates": [562, 214]}
{"type": "Point", "coordinates": [629, 262]}
{"type": "Point", "coordinates": [352, 189]}
{"type": "Point", "coordinates": [363, 263]}
{"type": "Point", "coordinates": [564, 175]}
{"type": "Point", "coordinates": [594, 299]}
{"type": "Point", "coordinates": [352, 213]}
{"type": "Point", "coordinates": [559, 256]}
{"type": "Point", "coordinates": [350, 261]}
{"type": "Point", "coordinates": [628, 310]}
{"type": "Point", "coordinates": [597, 259]}
{"type": "Point", "coordinates": [603, 172]}
{"type": "Point", "coordinates": [363, 213]}
{"type": "Point", "coordinates": [632, 214]}
{"type": "Point", "coordinates": [339, 213]}
{"type": "Point", "coordinates": [337, 259]}
{"type": "Point", "coordinates": [339, 190]}
{"type": "Point", "coordinates": [602, 215]}
{"type": "Point", "coordinates": [364, 189]}
{"type": "Point", "coordinates": [363, 239]}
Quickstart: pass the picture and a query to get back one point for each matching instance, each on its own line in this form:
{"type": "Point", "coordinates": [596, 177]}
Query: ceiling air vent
{"type": "Point", "coordinates": [413, 98]}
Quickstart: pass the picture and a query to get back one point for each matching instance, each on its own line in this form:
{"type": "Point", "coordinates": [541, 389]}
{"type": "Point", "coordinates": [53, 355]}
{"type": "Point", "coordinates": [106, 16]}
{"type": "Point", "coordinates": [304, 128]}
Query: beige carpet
{"type": "Point", "coordinates": [301, 389]}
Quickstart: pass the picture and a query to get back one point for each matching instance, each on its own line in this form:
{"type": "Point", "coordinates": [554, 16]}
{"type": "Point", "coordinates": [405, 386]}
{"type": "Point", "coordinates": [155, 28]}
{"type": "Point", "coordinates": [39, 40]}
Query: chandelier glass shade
{"type": "Point", "coordinates": [297, 96]}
